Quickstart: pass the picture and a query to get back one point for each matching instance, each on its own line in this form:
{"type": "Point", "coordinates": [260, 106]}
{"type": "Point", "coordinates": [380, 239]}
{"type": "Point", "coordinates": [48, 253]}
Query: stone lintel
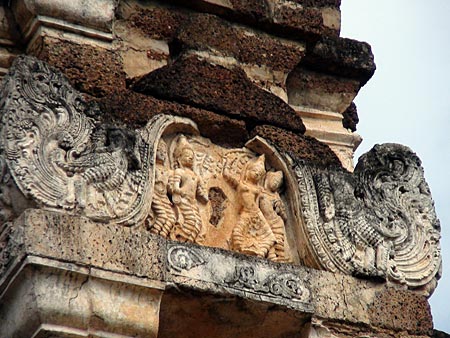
{"type": "Point", "coordinates": [92, 277]}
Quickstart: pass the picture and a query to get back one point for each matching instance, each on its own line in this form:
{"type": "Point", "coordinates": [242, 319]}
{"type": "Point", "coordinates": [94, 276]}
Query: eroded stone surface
{"type": "Point", "coordinates": [203, 85]}
{"type": "Point", "coordinates": [350, 119]}
{"type": "Point", "coordinates": [73, 239]}
{"type": "Point", "coordinates": [246, 278]}
{"type": "Point", "coordinates": [92, 70]}
{"type": "Point", "coordinates": [100, 278]}
{"type": "Point", "coordinates": [223, 317]}
{"type": "Point", "coordinates": [283, 208]}
{"type": "Point", "coordinates": [207, 32]}
{"type": "Point", "coordinates": [298, 146]}
{"type": "Point", "coordinates": [196, 275]}
{"type": "Point", "coordinates": [135, 110]}
{"type": "Point", "coordinates": [51, 298]}
{"type": "Point", "coordinates": [306, 19]}
{"type": "Point", "coordinates": [321, 91]}
{"type": "Point", "coordinates": [342, 57]}
{"type": "Point", "coordinates": [415, 311]}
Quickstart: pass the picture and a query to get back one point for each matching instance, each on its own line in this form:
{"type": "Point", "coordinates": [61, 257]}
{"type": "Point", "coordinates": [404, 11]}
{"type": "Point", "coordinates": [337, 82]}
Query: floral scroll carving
{"type": "Point", "coordinates": [283, 284]}
{"type": "Point", "coordinates": [182, 258]}
{"type": "Point", "coordinates": [378, 222]}
{"type": "Point", "coordinates": [58, 153]}
{"type": "Point", "coordinates": [63, 156]}
{"type": "Point", "coordinates": [391, 183]}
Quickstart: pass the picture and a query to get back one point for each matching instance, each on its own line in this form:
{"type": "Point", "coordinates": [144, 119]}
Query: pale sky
{"type": "Point", "coordinates": [408, 99]}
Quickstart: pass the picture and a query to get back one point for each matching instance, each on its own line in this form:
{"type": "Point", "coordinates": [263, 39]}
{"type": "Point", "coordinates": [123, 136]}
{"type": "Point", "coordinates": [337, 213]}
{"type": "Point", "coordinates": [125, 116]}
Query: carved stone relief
{"type": "Point", "coordinates": [246, 205]}
{"type": "Point", "coordinates": [183, 258]}
{"type": "Point", "coordinates": [58, 154]}
{"type": "Point", "coordinates": [63, 156]}
{"type": "Point", "coordinates": [247, 278]}
{"type": "Point", "coordinates": [280, 284]}
{"type": "Point", "coordinates": [378, 222]}
{"type": "Point", "coordinates": [391, 183]}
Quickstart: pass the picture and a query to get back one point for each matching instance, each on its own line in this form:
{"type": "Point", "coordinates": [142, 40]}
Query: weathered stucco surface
{"type": "Point", "coordinates": [191, 175]}
{"type": "Point", "coordinates": [82, 277]}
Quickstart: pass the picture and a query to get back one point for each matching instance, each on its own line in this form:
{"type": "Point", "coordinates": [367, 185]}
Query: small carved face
{"type": "Point", "coordinates": [274, 180]}
{"type": "Point", "coordinates": [255, 172]}
{"type": "Point", "coordinates": [161, 153]}
{"type": "Point", "coordinates": [186, 157]}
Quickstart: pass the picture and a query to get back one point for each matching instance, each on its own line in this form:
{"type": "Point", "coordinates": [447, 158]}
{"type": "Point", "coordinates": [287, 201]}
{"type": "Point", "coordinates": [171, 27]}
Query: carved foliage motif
{"type": "Point", "coordinates": [56, 153]}
{"type": "Point", "coordinates": [6, 211]}
{"type": "Point", "coordinates": [378, 222]}
{"type": "Point", "coordinates": [257, 280]}
{"type": "Point", "coordinates": [392, 184]}
{"type": "Point", "coordinates": [283, 284]}
{"type": "Point", "coordinates": [64, 157]}
{"type": "Point", "coordinates": [182, 258]}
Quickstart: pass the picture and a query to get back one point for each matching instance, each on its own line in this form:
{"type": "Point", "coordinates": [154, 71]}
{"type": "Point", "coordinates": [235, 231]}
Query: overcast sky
{"type": "Point", "coordinates": [408, 99]}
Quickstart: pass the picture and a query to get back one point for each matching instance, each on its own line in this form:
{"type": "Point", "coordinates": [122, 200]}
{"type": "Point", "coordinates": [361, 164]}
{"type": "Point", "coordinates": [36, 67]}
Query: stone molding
{"type": "Point", "coordinates": [84, 271]}
{"type": "Point", "coordinates": [94, 21]}
{"type": "Point", "coordinates": [326, 126]}
{"type": "Point", "coordinates": [248, 279]}
{"type": "Point", "coordinates": [58, 154]}
{"type": "Point", "coordinates": [46, 297]}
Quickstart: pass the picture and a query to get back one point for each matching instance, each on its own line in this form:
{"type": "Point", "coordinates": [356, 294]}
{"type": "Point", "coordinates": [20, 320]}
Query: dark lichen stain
{"type": "Point", "coordinates": [230, 92]}
{"type": "Point", "coordinates": [218, 201]}
{"type": "Point", "coordinates": [299, 147]}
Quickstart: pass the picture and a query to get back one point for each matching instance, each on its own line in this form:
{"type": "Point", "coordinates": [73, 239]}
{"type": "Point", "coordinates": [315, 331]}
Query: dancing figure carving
{"type": "Point", "coordinates": [163, 215]}
{"type": "Point", "coordinates": [274, 211]}
{"type": "Point", "coordinates": [187, 188]}
{"type": "Point", "coordinates": [252, 234]}
{"type": "Point", "coordinates": [57, 152]}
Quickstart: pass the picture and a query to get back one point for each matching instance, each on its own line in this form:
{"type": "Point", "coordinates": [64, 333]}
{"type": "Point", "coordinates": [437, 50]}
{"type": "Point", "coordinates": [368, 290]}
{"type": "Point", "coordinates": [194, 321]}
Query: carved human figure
{"type": "Point", "coordinates": [274, 211]}
{"type": "Point", "coordinates": [252, 234]}
{"type": "Point", "coordinates": [164, 216]}
{"type": "Point", "coordinates": [186, 188]}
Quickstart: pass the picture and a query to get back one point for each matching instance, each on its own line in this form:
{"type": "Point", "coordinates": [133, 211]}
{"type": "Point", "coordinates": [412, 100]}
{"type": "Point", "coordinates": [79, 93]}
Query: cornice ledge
{"type": "Point", "coordinates": [94, 20]}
